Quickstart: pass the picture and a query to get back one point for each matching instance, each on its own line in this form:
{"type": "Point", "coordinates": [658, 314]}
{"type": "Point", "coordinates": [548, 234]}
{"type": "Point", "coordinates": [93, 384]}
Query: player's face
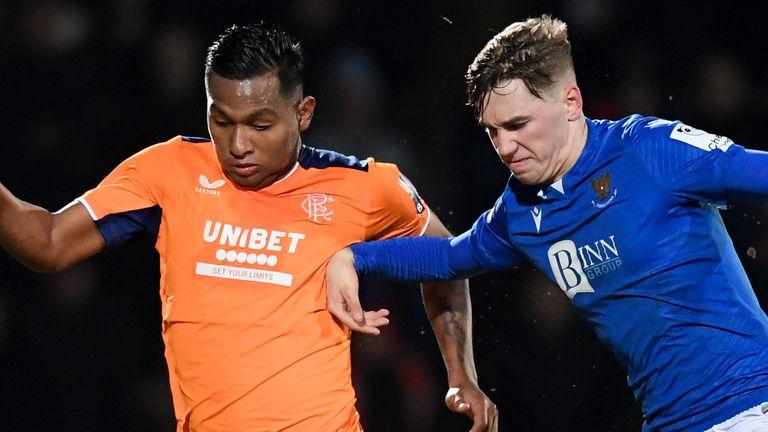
{"type": "Point", "coordinates": [255, 129]}
{"type": "Point", "coordinates": [530, 134]}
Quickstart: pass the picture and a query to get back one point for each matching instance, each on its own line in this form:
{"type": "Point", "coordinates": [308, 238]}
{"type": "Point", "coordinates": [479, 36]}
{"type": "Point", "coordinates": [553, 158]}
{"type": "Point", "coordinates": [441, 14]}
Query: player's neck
{"type": "Point", "coordinates": [577, 140]}
{"type": "Point", "coordinates": [291, 166]}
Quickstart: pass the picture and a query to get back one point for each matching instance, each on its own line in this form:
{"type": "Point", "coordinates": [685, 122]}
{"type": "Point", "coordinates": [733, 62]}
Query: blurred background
{"type": "Point", "coordinates": [86, 84]}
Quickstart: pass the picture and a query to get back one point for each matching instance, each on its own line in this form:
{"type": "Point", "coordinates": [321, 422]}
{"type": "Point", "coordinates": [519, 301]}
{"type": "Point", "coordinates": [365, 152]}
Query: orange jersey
{"type": "Point", "coordinates": [249, 342]}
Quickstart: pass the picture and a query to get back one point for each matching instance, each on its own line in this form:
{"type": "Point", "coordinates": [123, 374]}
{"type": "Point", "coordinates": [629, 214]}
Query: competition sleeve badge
{"type": "Point", "coordinates": [411, 190]}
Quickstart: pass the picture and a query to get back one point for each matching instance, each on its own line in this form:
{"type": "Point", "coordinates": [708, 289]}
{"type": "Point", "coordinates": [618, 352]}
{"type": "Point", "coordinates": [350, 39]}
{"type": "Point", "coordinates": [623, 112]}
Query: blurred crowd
{"type": "Point", "coordinates": [86, 84]}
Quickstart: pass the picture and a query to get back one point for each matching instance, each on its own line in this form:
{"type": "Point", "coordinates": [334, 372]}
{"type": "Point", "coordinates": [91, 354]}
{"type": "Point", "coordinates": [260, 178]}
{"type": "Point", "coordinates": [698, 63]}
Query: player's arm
{"type": "Point", "coordinates": [408, 259]}
{"type": "Point", "coordinates": [484, 247]}
{"type": "Point", "coordinates": [746, 180]}
{"type": "Point", "coordinates": [45, 241]}
{"type": "Point", "coordinates": [449, 310]}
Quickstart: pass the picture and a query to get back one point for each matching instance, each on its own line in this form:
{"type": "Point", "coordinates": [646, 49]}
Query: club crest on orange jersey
{"type": "Point", "coordinates": [316, 206]}
{"type": "Point", "coordinates": [602, 186]}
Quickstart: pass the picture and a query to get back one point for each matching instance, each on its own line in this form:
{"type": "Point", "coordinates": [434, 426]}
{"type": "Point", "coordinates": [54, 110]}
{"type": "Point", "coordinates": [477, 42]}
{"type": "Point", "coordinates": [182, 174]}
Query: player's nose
{"type": "Point", "coordinates": [239, 145]}
{"type": "Point", "coordinates": [506, 145]}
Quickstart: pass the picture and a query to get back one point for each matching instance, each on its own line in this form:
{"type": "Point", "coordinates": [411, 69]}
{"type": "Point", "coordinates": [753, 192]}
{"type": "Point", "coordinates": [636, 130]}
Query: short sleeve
{"type": "Point", "coordinates": [127, 201]}
{"type": "Point", "coordinates": [395, 208]}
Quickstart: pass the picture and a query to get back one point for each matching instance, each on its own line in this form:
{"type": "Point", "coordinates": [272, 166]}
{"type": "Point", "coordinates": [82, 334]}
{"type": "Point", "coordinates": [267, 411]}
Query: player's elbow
{"type": "Point", "coordinates": [44, 267]}
{"type": "Point", "coordinates": [45, 262]}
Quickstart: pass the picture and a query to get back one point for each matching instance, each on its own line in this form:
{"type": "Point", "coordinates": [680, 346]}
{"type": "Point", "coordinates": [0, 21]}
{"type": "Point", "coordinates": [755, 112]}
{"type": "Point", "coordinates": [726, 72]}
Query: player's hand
{"type": "Point", "coordinates": [470, 400]}
{"type": "Point", "coordinates": [343, 301]}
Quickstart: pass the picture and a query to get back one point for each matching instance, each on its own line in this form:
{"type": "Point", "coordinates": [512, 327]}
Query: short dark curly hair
{"type": "Point", "coordinates": [246, 51]}
{"type": "Point", "coordinates": [536, 51]}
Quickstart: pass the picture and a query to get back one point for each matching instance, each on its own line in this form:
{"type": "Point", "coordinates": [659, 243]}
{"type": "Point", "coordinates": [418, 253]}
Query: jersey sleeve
{"type": "Point", "coordinates": [395, 208]}
{"type": "Point", "coordinates": [489, 241]}
{"type": "Point", "coordinates": [747, 178]}
{"type": "Point", "coordinates": [127, 202]}
{"type": "Point", "coordinates": [691, 163]}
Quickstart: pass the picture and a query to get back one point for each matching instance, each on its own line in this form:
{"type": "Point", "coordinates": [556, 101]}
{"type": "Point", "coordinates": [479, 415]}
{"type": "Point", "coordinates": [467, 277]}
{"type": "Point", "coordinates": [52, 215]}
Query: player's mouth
{"type": "Point", "coordinates": [244, 170]}
{"type": "Point", "coordinates": [518, 165]}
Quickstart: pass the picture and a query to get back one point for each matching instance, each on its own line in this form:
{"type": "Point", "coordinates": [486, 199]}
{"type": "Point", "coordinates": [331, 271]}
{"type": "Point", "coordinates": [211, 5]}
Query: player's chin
{"type": "Point", "coordinates": [530, 177]}
{"type": "Point", "coordinates": [524, 177]}
{"type": "Point", "coordinates": [247, 182]}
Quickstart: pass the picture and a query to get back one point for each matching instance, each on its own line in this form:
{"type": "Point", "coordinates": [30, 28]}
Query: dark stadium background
{"type": "Point", "coordinates": [86, 84]}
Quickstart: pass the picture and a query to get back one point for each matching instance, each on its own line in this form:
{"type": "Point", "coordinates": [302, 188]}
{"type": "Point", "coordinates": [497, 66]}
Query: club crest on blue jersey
{"type": "Point", "coordinates": [602, 186]}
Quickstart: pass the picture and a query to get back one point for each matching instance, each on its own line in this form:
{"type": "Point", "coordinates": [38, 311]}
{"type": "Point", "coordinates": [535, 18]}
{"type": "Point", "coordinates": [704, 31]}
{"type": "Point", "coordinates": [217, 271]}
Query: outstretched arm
{"type": "Point", "coordinates": [406, 258]}
{"type": "Point", "coordinates": [449, 310]}
{"type": "Point", "coordinates": [746, 180]}
{"type": "Point", "coordinates": [45, 241]}
{"type": "Point", "coordinates": [447, 303]}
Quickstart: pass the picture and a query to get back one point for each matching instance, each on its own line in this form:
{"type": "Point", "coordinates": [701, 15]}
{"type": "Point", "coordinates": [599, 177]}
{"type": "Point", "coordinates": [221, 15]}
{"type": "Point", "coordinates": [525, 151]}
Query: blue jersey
{"type": "Point", "coordinates": [632, 236]}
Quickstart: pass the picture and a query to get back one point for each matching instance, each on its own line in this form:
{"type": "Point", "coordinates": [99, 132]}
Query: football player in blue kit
{"type": "Point", "coordinates": [586, 202]}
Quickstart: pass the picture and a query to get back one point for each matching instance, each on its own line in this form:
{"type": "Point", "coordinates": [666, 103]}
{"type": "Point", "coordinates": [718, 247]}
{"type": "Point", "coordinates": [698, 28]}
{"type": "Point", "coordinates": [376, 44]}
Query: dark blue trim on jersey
{"type": "Point", "coordinates": [120, 227]}
{"type": "Point", "coordinates": [310, 157]}
{"type": "Point", "coordinates": [195, 139]}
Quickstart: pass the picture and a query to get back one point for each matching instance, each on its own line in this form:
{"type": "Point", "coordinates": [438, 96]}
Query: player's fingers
{"type": "Point", "coordinates": [377, 318]}
{"type": "Point", "coordinates": [342, 285]}
{"type": "Point", "coordinates": [346, 318]}
{"type": "Point", "coordinates": [487, 419]}
{"type": "Point", "coordinates": [481, 420]}
{"type": "Point", "coordinates": [494, 427]}
{"type": "Point", "coordinates": [337, 306]}
{"type": "Point", "coordinates": [353, 306]}
{"type": "Point", "coordinates": [377, 313]}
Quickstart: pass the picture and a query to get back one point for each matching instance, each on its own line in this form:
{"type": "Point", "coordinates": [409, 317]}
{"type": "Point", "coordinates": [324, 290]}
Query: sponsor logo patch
{"type": "Point", "coordinates": [699, 138]}
{"type": "Point", "coordinates": [243, 248]}
{"type": "Point", "coordinates": [208, 187]}
{"type": "Point", "coordinates": [575, 266]}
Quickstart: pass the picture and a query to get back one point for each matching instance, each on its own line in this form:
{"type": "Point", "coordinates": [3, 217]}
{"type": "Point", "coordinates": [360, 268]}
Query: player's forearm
{"type": "Point", "coordinates": [416, 259]}
{"type": "Point", "coordinates": [25, 231]}
{"type": "Point", "coordinates": [450, 312]}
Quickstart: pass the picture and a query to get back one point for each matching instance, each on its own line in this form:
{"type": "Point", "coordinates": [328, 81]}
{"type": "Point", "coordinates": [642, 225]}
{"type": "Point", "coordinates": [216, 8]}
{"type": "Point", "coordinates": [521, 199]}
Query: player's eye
{"type": "Point", "coordinates": [515, 126]}
{"type": "Point", "coordinates": [221, 123]}
{"type": "Point", "coordinates": [260, 127]}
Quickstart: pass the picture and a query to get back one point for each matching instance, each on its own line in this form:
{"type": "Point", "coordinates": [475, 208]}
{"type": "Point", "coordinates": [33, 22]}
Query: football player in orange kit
{"type": "Point", "coordinates": [245, 223]}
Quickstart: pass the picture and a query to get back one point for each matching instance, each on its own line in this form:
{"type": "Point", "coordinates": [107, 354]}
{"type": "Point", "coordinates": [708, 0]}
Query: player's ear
{"type": "Point", "coordinates": [305, 111]}
{"type": "Point", "coordinates": [573, 101]}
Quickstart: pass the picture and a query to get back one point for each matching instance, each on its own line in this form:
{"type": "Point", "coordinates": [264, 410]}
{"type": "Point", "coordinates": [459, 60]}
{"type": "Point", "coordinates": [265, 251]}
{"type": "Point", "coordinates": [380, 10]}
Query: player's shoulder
{"type": "Point", "coordinates": [362, 175]}
{"type": "Point", "coordinates": [321, 159]}
{"type": "Point", "coordinates": [179, 151]}
{"type": "Point", "coordinates": [637, 131]}
{"type": "Point", "coordinates": [175, 143]}
{"type": "Point", "coordinates": [633, 126]}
